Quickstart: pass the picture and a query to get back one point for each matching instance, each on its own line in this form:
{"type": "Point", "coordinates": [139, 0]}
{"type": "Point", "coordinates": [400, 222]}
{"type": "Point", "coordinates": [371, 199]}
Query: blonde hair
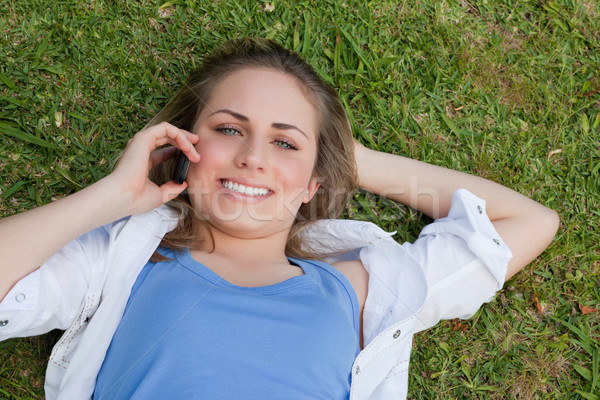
{"type": "Point", "coordinates": [334, 167]}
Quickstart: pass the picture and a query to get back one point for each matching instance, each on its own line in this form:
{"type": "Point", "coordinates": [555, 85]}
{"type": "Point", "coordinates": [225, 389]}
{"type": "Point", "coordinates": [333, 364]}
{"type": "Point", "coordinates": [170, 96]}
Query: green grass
{"type": "Point", "coordinates": [509, 90]}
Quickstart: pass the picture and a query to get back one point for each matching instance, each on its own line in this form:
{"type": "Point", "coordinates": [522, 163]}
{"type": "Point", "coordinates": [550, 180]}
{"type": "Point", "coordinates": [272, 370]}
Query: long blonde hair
{"type": "Point", "coordinates": [334, 167]}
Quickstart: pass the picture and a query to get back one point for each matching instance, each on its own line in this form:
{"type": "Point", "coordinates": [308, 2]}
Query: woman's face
{"type": "Point", "coordinates": [258, 146]}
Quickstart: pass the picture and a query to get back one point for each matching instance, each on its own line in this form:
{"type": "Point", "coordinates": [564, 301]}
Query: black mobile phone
{"type": "Point", "coordinates": [181, 167]}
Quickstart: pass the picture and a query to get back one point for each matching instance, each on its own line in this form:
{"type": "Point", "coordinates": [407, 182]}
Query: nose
{"type": "Point", "coordinates": [250, 155]}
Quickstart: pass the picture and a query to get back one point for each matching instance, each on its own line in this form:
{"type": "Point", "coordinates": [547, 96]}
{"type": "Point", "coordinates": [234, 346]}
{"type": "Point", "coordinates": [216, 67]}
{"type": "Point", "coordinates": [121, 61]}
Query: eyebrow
{"type": "Point", "coordinates": [276, 125]}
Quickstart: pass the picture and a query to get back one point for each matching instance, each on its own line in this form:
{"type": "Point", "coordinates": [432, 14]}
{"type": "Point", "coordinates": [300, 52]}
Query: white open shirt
{"type": "Point", "coordinates": [455, 265]}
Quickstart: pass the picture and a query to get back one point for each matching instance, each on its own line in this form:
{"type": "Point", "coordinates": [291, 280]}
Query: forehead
{"type": "Point", "coordinates": [264, 94]}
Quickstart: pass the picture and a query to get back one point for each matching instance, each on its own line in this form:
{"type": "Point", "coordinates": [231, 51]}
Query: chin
{"type": "Point", "coordinates": [247, 221]}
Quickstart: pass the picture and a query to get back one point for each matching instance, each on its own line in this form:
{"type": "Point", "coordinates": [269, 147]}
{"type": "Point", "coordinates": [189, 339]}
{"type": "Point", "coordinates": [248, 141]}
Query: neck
{"type": "Point", "coordinates": [246, 251]}
{"type": "Point", "coordinates": [247, 261]}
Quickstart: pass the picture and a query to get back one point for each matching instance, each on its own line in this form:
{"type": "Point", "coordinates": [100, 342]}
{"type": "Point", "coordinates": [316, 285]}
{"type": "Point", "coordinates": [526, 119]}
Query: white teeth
{"type": "Point", "coordinates": [247, 190]}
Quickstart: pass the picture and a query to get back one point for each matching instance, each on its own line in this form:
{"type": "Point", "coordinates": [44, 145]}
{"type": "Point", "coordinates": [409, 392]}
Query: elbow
{"type": "Point", "coordinates": [542, 223]}
{"type": "Point", "coordinates": [546, 224]}
{"type": "Point", "coordinates": [537, 231]}
{"type": "Point", "coordinates": [556, 221]}
{"type": "Point", "coordinates": [550, 223]}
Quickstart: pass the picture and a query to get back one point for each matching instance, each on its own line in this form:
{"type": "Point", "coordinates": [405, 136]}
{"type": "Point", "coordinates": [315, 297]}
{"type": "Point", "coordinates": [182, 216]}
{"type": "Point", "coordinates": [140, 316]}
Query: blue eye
{"type": "Point", "coordinates": [284, 144]}
{"type": "Point", "coordinates": [228, 131]}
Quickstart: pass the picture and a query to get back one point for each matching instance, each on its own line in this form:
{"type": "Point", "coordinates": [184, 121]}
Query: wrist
{"type": "Point", "coordinates": [111, 199]}
{"type": "Point", "coordinates": [366, 167]}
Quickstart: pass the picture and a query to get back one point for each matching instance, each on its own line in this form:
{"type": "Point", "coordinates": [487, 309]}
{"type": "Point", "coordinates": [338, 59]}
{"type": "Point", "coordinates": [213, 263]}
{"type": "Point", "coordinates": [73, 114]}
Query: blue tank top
{"type": "Point", "coordinates": [186, 333]}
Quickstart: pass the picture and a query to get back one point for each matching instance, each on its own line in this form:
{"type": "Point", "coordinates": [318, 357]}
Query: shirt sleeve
{"type": "Point", "coordinates": [52, 296]}
{"type": "Point", "coordinates": [463, 260]}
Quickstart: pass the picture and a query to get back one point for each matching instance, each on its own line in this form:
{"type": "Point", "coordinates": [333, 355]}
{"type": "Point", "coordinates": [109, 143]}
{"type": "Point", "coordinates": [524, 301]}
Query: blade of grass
{"type": "Point", "coordinates": [14, 188]}
{"type": "Point", "coordinates": [26, 137]}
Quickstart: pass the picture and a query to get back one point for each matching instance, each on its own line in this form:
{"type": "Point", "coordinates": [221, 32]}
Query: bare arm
{"type": "Point", "coordinates": [27, 240]}
{"type": "Point", "coordinates": [526, 226]}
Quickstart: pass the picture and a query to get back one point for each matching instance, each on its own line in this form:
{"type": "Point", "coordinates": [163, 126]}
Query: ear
{"type": "Point", "coordinates": [311, 189]}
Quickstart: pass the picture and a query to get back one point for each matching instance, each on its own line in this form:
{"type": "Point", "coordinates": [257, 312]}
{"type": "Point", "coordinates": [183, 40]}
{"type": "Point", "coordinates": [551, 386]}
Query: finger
{"type": "Point", "coordinates": [182, 139]}
{"type": "Point", "coordinates": [191, 152]}
{"type": "Point", "coordinates": [170, 190]}
{"type": "Point", "coordinates": [161, 155]}
{"type": "Point", "coordinates": [192, 137]}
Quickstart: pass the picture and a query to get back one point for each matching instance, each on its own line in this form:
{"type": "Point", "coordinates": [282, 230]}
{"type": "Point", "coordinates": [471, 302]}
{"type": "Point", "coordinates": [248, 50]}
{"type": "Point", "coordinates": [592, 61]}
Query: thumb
{"type": "Point", "coordinates": [171, 190]}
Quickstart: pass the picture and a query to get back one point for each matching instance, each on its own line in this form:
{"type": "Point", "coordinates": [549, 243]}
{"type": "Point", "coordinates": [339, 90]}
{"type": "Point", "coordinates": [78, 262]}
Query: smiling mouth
{"type": "Point", "coordinates": [246, 190]}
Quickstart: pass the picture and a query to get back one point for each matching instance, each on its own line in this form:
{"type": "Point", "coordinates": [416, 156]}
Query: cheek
{"type": "Point", "coordinates": [211, 156]}
{"type": "Point", "coordinates": [207, 147]}
{"type": "Point", "coordinates": [295, 174]}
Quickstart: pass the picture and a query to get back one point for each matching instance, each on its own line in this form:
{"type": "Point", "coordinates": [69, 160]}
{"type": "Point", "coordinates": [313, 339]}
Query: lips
{"type": "Point", "coordinates": [247, 190]}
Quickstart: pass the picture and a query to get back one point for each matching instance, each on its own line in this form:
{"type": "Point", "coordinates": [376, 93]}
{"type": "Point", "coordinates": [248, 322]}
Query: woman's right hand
{"type": "Point", "coordinates": [137, 192]}
{"type": "Point", "coordinates": [27, 240]}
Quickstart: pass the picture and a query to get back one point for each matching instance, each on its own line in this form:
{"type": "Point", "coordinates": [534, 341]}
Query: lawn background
{"type": "Point", "coordinates": [509, 90]}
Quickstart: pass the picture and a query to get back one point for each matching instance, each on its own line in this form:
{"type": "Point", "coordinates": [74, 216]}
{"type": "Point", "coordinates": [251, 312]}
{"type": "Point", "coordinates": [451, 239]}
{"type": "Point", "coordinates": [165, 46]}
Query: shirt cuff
{"type": "Point", "coordinates": [467, 219]}
{"type": "Point", "coordinates": [23, 295]}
